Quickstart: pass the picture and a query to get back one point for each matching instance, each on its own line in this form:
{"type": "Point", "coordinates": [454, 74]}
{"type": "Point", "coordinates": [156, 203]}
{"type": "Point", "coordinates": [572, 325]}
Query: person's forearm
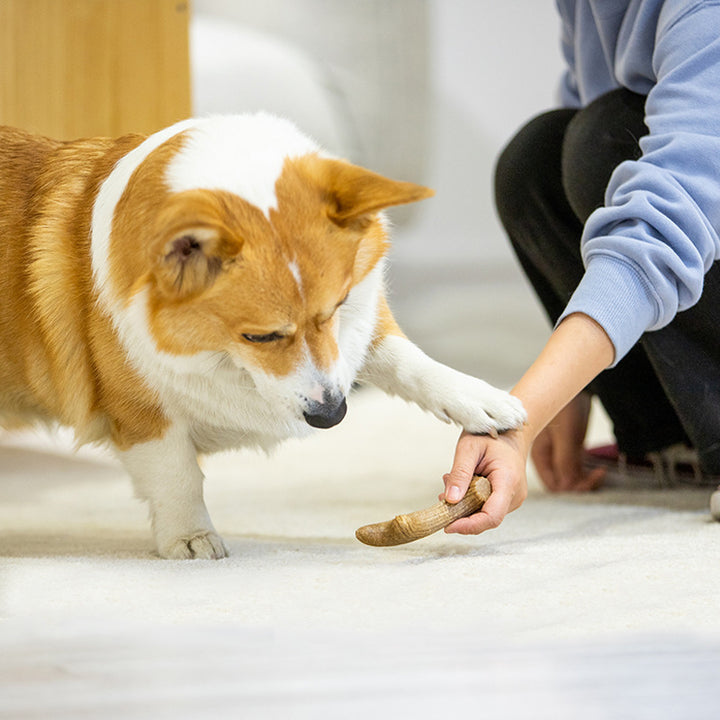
{"type": "Point", "coordinates": [577, 351]}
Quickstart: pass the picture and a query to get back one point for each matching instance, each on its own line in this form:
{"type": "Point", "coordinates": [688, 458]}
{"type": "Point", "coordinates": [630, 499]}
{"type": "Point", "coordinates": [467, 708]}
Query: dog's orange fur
{"type": "Point", "coordinates": [59, 357]}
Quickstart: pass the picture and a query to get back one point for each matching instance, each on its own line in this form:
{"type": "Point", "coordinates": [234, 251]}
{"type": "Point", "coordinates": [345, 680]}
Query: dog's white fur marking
{"type": "Point", "coordinates": [104, 208]}
{"type": "Point", "coordinates": [358, 316]}
{"type": "Point", "coordinates": [243, 154]}
{"type": "Point", "coordinates": [295, 271]}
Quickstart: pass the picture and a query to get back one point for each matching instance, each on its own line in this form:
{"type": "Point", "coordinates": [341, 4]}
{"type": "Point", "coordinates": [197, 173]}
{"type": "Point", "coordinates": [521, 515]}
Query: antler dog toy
{"type": "Point", "coordinates": [415, 525]}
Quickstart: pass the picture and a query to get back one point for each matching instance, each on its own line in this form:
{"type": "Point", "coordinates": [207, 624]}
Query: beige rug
{"type": "Point", "coordinates": [567, 597]}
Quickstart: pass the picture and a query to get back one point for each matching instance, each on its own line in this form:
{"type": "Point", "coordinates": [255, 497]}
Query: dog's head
{"type": "Point", "coordinates": [244, 239]}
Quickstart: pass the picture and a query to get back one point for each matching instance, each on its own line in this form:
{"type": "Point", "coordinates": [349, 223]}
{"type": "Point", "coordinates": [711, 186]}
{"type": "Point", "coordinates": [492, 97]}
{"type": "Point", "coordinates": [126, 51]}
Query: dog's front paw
{"type": "Point", "coordinates": [482, 409]}
{"type": "Point", "coordinates": [496, 412]}
{"type": "Point", "coordinates": [203, 545]}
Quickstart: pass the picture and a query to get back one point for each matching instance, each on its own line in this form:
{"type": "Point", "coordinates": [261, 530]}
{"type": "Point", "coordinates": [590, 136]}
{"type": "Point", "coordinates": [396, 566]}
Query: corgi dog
{"type": "Point", "coordinates": [215, 285]}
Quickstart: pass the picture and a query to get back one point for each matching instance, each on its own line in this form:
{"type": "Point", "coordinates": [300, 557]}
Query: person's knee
{"type": "Point", "coordinates": [529, 162]}
{"type": "Point", "coordinates": [598, 139]}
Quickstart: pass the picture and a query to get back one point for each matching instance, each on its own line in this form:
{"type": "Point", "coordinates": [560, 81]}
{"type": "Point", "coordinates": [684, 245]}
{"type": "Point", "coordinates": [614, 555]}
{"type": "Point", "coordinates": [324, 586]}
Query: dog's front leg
{"type": "Point", "coordinates": [165, 472]}
{"type": "Point", "coordinates": [398, 367]}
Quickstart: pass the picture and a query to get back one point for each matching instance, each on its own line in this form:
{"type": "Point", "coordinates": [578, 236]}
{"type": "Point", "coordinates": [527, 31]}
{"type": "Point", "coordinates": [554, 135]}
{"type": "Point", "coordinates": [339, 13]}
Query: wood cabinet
{"type": "Point", "coordinates": [76, 68]}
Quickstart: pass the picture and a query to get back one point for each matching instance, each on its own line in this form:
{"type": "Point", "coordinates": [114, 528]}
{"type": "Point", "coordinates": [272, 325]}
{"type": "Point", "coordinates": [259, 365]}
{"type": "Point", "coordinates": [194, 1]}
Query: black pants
{"type": "Point", "coordinates": [549, 179]}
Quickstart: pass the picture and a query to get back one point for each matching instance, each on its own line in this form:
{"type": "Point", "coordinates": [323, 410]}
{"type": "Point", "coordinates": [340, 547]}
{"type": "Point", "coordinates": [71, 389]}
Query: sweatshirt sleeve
{"type": "Point", "coordinates": [647, 250]}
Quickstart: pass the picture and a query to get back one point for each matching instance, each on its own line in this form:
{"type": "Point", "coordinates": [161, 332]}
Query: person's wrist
{"type": "Point", "coordinates": [520, 439]}
{"type": "Point", "coordinates": [525, 435]}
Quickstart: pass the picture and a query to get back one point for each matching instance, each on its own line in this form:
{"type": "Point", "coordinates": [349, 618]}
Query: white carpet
{"type": "Point", "coordinates": [572, 599]}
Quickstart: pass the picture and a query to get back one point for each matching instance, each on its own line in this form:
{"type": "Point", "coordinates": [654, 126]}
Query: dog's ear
{"type": "Point", "coordinates": [355, 193]}
{"type": "Point", "coordinates": [193, 242]}
{"type": "Point", "coordinates": [192, 258]}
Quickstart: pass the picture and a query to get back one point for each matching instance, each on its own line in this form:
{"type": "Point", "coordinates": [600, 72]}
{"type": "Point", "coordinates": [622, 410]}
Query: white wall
{"type": "Point", "coordinates": [424, 90]}
{"type": "Point", "coordinates": [493, 66]}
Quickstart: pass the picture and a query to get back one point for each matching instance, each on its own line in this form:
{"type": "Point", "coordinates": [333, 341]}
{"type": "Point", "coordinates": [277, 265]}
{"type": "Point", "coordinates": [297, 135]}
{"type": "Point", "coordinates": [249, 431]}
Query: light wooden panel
{"type": "Point", "coordinates": [76, 68]}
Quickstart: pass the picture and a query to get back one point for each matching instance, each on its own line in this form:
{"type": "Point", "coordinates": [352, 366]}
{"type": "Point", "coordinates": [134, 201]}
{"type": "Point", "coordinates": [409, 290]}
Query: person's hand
{"type": "Point", "coordinates": [502, 461]}
{"type": "Point", "coordinates": [577, 351]}
{"type": "Point", "coordinates": [558, 450]}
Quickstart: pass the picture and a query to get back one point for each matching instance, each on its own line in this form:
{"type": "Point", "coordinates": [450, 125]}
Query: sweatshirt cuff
{"type": "Point", "coordinates": [618, 297]}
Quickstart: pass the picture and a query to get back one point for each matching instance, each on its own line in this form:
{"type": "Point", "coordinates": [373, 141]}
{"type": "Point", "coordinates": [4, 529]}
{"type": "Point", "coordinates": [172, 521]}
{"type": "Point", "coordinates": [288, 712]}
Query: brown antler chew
{"type": "Point", "coordinates": [420, 524]}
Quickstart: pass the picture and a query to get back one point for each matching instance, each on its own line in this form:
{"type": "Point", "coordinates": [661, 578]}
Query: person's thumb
{"type": "Point", "coordinates": [465, 461]}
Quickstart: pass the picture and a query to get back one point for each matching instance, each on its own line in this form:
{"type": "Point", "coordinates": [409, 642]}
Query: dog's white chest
{"type": "Point", "coordinates": [224, 410]}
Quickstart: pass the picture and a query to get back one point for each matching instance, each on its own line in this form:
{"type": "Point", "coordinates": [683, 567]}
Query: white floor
{"type": "Point", "coordinates": [600, 606]}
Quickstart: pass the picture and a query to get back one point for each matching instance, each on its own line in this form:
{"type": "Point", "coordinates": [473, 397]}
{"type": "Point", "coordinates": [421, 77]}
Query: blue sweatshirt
{"type": "Point", "coordinates": [647, 250]}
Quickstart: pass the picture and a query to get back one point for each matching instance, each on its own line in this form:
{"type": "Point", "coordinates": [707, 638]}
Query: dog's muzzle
{"type": "Point", "coordinates": [326, 414]}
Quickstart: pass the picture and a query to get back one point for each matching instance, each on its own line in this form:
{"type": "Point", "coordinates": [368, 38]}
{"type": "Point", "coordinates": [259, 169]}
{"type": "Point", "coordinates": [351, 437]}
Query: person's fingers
{"type": "Point", "coordinates": [558, 450]}
{"type": "Point", "coordinates": [474, 524]}
{"type": "Point", "coordinates": [542, 458]}
{"type": "Point", "coordinates": [590, 481]}
{"type": "Point", "coordinates": [571, 474]}
{"type": "Point", "coordinates": [503, 499]}
{"type": "Point", "coordinates": [487, 519]}
{"type": "Point", "coordinates": [468, 454]}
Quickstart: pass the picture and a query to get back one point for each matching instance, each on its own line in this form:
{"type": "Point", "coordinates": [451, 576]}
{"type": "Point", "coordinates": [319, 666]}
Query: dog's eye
{"type": "Point", "coordinates": [270, 337]}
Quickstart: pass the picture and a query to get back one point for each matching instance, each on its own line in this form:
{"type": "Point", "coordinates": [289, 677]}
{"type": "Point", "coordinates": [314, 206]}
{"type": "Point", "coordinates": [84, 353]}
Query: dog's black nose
{"type": "Point", "coordinates": [326, 415]}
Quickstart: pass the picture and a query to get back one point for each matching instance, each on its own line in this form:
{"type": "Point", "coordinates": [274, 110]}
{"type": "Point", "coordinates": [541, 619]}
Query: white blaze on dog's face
{"type": "Point", "coordinates": [244, 240]}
